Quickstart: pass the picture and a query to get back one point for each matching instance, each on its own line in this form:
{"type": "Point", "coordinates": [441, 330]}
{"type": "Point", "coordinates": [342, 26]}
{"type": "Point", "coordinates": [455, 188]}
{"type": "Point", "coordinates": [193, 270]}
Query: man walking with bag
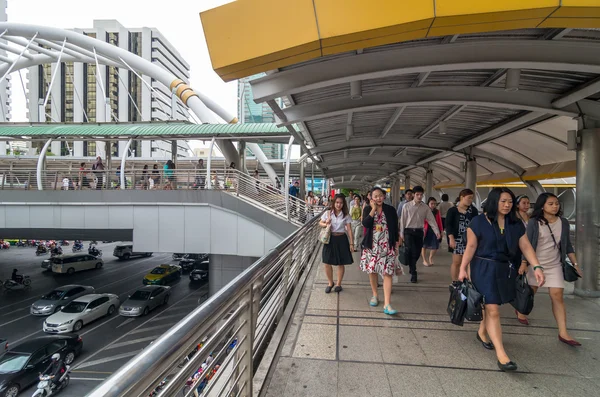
{"type": "Point", "coordinates": [412, 220]}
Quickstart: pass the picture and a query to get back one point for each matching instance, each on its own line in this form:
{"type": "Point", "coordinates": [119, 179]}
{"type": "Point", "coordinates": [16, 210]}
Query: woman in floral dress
{"type": "Point", "coordinates": [379, 246]}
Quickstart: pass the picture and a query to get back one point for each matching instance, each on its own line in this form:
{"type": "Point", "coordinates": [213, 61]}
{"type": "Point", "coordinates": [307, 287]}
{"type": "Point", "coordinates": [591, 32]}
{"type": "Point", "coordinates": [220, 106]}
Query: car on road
{"type": "Point", "coordinates": [177, 256]}
{"type": "Point", "coordinates": [126, 251]}
{"type": "Point", "coordinates": [21, 365]}
{"type": "Point", "coordinates": [145, 299]}
{"type": "Point", "coordinates": [58, 298]}
{"type": "Point", "coordinates": [162, 275]}
{"type": "Point", "coordinates": [81, 311]}
{"type": "Point", "coordinates": [72, 263]}
{"type": "Point", "coordinates": [200, 271]}
{"type": "Point", "coordinates": [189, 260]}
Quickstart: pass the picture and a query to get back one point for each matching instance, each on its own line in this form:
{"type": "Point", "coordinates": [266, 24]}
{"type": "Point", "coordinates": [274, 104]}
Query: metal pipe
{"type": "Point", "coordinates": [208, 182]}
{"type": "Point", "coordinates": [19, 57]}
{"type": "Point", "coordinates": [123, 159]}
{"type": "Point", "coordinates": [286, 186]}
{"type": "Point", "coordinates": [40, 164]}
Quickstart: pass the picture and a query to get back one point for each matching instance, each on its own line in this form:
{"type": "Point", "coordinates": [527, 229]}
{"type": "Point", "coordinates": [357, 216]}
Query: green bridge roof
{"type": "Point", "coordinates": [150, 130]}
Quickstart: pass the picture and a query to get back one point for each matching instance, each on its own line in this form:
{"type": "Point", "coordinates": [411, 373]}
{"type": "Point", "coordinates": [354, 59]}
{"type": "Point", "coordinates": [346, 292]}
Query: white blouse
{"type": "Point", "coordinates": [338, 223]}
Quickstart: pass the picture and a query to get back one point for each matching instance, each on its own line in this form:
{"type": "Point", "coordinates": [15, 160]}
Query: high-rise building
{"type": "Point", "coordinates": [85, 92]}
{"type": "Point", "coordinates": [251, 112]}
{"type": "Point", "coordinates": [5, 85]}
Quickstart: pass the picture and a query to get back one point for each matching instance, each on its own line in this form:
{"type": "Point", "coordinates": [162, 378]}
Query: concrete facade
{"type": "Point", "coordinates": [224, 268]}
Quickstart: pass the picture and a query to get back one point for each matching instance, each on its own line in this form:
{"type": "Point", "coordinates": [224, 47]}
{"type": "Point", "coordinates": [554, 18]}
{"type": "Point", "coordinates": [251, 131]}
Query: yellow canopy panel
{"type": "Point", "coordinates": [250, 36]}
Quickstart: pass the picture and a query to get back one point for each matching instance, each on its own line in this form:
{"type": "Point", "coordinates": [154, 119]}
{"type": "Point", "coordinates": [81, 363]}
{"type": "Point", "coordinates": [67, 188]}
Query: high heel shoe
{"type": "Point", "coordinates": [523, 321]}
{"type": "Point", "coordinates": [488, 345]}
{"type": "Point", "coordinates": [508, 367]}
{"type": "Point", "coordinates": [570, 342]}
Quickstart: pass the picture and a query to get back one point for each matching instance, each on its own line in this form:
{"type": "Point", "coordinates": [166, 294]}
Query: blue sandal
{"type": "Point", "coordinates": [388, 310]}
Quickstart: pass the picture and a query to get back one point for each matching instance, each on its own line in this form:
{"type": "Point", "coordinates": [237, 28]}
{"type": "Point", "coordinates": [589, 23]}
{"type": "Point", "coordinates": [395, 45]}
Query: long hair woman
{"type": "Point", "coordinates": [548, 232]}
{"type": "Point", "coordinates": [341, 243]}
{"type": "Point", "coordinates": [494, 240]}
{"type": "Point", "coordinates": [430, 241]}
{"type": "Point", "coordinates": [523, 205]}
{"type": "Point", "coordinates": [458, 219]}
{"type": "Point", "coordinates": [379, 246]}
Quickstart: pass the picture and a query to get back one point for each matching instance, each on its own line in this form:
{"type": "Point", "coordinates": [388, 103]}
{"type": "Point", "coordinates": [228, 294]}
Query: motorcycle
{"type": "Point", "coordinates": [64, 242]}
{"type": "Point", "coordinates": [56, 251]}
{"type": "Point", "coordinates": [45, 387]}
{"type": "Point", "coordinates": [12, 285]}
{"type": "Point", "coordinates": [4, 245]}
{"type": "Point", "coordinates": [95, 252]}
{"type": "Point", "coordinates": [77, 247]}
{"type": "Point", "coordinates": [41, 250]}
{"type": "Point", "coordinates": [20, 243]}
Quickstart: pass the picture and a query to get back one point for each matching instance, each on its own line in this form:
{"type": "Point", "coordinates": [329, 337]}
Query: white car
{"type": "Point", "coordinates": [81, 311]}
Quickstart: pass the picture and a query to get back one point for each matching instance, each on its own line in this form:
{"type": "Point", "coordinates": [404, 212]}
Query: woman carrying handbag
{"type": "Point", "coordinates": [338, 252]}
{"type": "Point", "coordinates": [549, 236]}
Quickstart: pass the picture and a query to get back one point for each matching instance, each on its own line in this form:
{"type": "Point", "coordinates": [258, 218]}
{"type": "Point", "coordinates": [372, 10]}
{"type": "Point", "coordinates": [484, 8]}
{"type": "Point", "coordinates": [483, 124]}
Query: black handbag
{"type": "Point", "coordinates": [457, 305]}
{"type": "Point", "coordinates": [401, 254]}
{"type": "Point", "coordinates": [523, 301]}
{"type": "Point", "coordinates": [569, 272]}
{"type": "Point", "coordinates": [475, 302]}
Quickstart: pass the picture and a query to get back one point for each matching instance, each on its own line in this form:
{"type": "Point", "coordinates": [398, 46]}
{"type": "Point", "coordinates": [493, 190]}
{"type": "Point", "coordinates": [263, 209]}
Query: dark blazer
{"type": "Point", "coordinates": [566, 247]}
{"type": "Point", "coordinates": [392, 223]}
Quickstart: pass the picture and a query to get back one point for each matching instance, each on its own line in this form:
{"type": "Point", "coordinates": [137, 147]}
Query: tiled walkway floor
{"type": "Point", "coordinates": [340, 346]}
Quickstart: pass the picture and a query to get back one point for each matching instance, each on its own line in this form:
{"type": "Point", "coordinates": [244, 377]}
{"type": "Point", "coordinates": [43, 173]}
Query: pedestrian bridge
{"type": "Point", "coordinates": [155, 220]}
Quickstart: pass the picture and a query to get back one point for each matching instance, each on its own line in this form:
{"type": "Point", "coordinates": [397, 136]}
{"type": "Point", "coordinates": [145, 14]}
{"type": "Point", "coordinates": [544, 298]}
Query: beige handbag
{"type": "Point", "coordinates": [325, 234]}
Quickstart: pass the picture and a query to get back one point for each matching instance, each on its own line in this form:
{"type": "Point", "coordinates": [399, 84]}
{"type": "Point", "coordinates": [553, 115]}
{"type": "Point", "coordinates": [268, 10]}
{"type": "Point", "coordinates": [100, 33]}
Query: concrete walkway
{"type": "Point", "coordinates": [338, 345]}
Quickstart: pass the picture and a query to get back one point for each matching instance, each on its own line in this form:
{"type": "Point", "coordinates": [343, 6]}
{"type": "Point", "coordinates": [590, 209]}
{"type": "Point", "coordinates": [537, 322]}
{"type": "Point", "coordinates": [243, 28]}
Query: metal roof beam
{"type": "Point", "coordinates": [367, 159]}
{"type": "Point", "coordinates": [532, 101]}
{"type": "Point", "coordinates": [556, 55]}
{"type": "Point", "coordinates": [368, 143]}
{"type": "Point", "coordinates": [586, 90]}
{"type": "Point", "coordinates": [535, 163]}
{"type": "Point", "coordinates": [392, 121]}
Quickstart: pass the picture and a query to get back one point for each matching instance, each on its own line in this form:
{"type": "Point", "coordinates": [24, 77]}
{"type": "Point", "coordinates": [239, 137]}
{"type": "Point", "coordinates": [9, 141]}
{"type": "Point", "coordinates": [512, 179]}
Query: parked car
{"type": "Point", "coordinates": [55, 300]}
{"type": "Point", "coordinates": [21, 365]}
{"type": "Point", "coordinates": [189, 260]}
{"type": "Point", "coordinates": [162, 275]}
{"type": "Point", "coordinates": [81, 311]}
{"type": "Point", "coordinates": [72, 263]}
{"type": "Point", "coordinates": [199, 271]}
{"type": "Point", "coordinates": [126, 251]}
{"type": "Point", "coordinates": [177, 256]}
{"type": "Point", "coordinates": [145, 299]}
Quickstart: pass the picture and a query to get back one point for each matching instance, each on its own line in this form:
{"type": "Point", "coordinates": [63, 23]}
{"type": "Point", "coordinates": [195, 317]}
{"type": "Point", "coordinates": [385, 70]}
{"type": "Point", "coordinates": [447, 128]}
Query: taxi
{"type": "Point", "coordinates": [162, 275]}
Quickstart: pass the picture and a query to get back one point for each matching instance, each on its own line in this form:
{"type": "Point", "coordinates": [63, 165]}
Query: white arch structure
{"type": "Point", "coordinates": [44, 45]}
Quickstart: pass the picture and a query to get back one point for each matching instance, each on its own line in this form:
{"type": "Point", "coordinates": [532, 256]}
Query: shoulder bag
{"type": "Point", "coordinates": [569, 272]}
{"type": "Point", "coordinates": [523, 301]}
{"type": "Point", "coordinates": [475, 302]}
{"type": "Point", "coordinates": [325, 234]}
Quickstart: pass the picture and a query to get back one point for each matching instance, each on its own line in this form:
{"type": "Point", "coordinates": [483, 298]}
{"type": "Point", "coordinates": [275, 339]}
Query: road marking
{"type": "Point", "coordinates": [130, 332]}
{"type": "Point", "coordinates": [16, 319]}
{"type": "Point", "coordinates": [14, 311]}
{"type": "Point", "coordinates": [169, 316]}
{"type": "Point", "coordinates": [12, 342]}
{"type": "Point", "coordinates": [108, 359]}
{"type": "Point", "coordinates": [99, 325]}
{"type": "Point", "coordinates": [133, 341]}
{"type": "Point", "coordinates": [129, 320]}
{"type": "Point", "coordinates": [138, 331]}
{"type": "Point", "coordinates": [77, 378]}
{"type": "Point", "coordinates": [92, 372]}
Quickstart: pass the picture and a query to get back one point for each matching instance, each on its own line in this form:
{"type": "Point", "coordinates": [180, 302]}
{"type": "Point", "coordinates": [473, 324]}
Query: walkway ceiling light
{"type": "Point", "coordinates": [355, 90]}
{"type": "Point", "coordinates": [443, 128]}
{"type": "Point", "coordinates": [513, 76]}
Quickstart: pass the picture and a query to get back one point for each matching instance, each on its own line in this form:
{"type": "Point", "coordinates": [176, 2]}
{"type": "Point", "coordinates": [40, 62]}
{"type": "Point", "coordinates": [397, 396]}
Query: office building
{"type": "Point", "coordinates": [83, 92]}
{"type": "Point", "coordinates": [251, 112]}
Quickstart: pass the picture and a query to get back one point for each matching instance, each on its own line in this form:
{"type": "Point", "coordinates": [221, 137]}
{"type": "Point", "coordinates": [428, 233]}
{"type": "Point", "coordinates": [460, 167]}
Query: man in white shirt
{"type": "Point", "coordinates": [412, 222]}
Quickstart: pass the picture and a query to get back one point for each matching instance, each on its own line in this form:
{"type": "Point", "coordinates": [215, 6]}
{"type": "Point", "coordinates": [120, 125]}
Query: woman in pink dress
{"type": "Point", "coordinates": [379, 246]}
{"type": "Point", "coordinates": [549, 236]}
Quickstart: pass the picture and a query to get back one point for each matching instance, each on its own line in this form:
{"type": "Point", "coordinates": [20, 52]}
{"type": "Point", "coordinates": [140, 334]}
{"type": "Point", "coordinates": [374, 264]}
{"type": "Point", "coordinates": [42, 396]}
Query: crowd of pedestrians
{"type": "Point", "coordinates": [490, 248]}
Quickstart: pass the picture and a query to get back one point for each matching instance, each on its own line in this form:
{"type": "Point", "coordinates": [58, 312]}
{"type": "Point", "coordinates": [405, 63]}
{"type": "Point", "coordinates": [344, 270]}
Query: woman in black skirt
{"type": "Point", "coordinates": [495, 241]}
{"type": "Point", "coordinates": [339, 250]}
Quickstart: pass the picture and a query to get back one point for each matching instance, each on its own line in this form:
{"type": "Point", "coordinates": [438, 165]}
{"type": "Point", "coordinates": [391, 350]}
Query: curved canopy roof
{"type": "Point", "coordinates": [505, 98]}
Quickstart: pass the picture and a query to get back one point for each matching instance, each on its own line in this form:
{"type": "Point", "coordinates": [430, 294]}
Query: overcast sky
{"type": "Point", "coordinates": [178, 21]}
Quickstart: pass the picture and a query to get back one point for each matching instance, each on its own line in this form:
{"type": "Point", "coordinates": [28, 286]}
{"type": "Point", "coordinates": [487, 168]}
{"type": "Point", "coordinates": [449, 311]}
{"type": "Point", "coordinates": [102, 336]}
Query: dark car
{"type": "Point", "coordinates": [189, 261]}
{"type": "Point", "coordinates": [198, 275]}
{"type": "Point", "coordinates": [20, 365]}
{"type": "Point", "coordinates": [3, 345]}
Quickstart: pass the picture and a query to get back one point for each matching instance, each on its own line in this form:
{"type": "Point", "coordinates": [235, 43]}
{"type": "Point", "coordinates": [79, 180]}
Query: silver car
{"type": "Point", "coordinates": [53, 301]}
{"type": "Point", "coordinates": [145, 299]}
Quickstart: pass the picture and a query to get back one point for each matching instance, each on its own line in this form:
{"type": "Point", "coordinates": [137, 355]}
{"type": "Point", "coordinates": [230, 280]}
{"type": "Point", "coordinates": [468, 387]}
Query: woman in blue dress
{"type": "Point", "coordinates": [495, 241]}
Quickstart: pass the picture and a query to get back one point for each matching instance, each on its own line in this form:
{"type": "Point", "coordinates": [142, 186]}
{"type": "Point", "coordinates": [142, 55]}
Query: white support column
{"type": "Point", "coordinates": [286, 186]}
{"type": "Point", "coordinates": [41, 111]}
{"type": "Point", "coordinates": [2, 148]}
{"type": "Point", "coordinates": [471, 174]}
{"type": "Point", "coordinates": [41, 164]}
{"type": "Point", "coordinates": [208, 163]}
{"type": "Point", "coordinates": [262, 159]}
{"type": "Point", "coordinates": [123, 160]}
{"type": "Point", "coordinates": [312, 176]}
{"type": "Point", "coordinates": [242, 156]}
{"type": "Point", "coordinates": [302, 180]}
{"type": "Point", "coordinates": [429, 184]}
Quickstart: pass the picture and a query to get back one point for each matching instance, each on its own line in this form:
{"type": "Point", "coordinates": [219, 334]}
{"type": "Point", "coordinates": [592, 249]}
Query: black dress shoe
{"type": "Point", "coordinates": [413, 278]}
{"type": "Point", "coordinates": [508, 367]}
{"type": "Point", "coordinates": [488, 345]}
{"type": "Point", "coordinates": [338, 288]}
{"type": "Point", "coordinates": [328, 289]}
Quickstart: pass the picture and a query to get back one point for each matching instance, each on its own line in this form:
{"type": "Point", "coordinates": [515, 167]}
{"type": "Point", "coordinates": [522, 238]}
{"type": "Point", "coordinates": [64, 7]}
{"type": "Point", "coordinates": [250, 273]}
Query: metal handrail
{"type": "Point", "coordinates": [258, 191]}
{"type": "Point", "coordinates": [237, 312]}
